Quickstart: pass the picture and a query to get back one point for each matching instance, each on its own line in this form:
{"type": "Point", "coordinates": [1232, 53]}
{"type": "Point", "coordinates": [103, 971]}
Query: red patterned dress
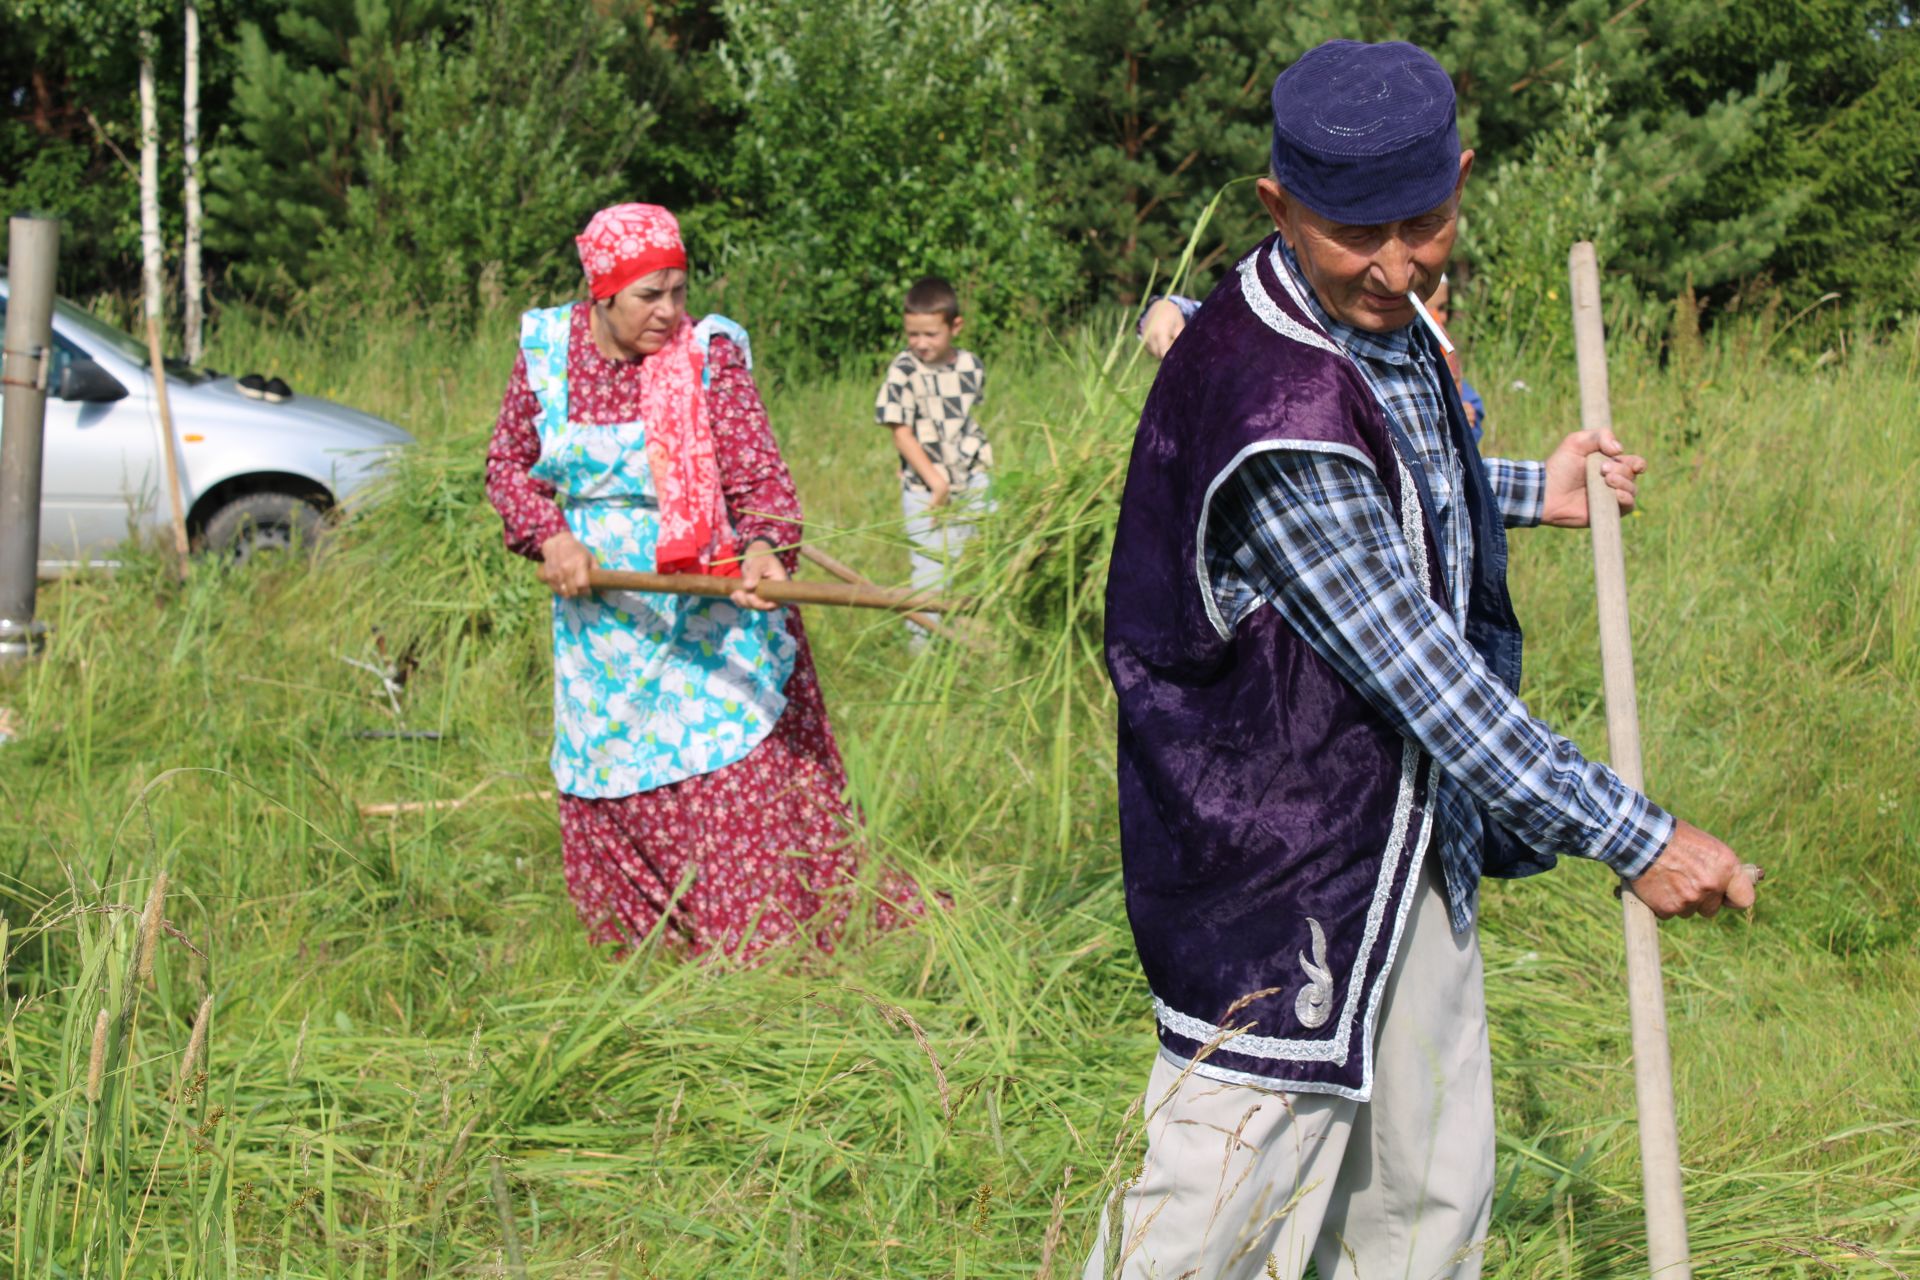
{"type": "Point", "coordinates": [769, 839]}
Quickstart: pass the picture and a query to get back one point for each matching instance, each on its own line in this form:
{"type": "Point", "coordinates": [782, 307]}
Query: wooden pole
{"type": "Point", "coordinates": [837, 593]}
{"type": "Point", "coordinates": [168, 448]}
{"type": "Point", "coordinates": [847, 573]}
{"type": "Point", "coordinates": [1666, 1208]}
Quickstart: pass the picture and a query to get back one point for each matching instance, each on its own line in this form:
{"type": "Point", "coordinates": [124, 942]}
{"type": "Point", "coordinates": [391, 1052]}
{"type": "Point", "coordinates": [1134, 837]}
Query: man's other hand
{"type": "Point", "coordinates": [1694, 874]}
{"type": "Point", "coordinates": [1566, 497]}
{"type": "Point", "coordinates": [1163, 324]}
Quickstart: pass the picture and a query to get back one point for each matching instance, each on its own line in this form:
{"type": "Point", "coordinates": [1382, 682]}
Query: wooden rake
{"type": "Point", "coordinates": [855, 594]}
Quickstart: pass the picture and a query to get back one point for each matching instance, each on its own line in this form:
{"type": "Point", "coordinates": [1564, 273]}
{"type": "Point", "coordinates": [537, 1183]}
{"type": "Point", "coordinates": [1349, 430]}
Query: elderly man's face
{"type": "Point", "coordinates": [1362, 274]}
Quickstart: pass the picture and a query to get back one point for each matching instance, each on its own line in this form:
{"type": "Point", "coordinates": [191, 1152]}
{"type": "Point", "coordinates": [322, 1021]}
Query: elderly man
{"type": "Point", "coordinates": [1321, 750]}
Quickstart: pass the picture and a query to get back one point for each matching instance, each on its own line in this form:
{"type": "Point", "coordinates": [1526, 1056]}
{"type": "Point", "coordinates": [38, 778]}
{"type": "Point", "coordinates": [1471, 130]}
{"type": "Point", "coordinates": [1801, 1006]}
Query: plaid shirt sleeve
{"type": "Point", "coordinates": [1189, 308]}
{"type": "Point", "coordinates": [1313, 534]}
{"type": "Point", "coordinates": [1519, 490]}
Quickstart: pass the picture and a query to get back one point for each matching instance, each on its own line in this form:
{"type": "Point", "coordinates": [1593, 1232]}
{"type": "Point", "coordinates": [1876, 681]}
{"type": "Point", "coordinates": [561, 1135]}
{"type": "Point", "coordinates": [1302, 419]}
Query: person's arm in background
{"type": "Point", "coordinates": [532, 522]}
{"type": "Point", "coordinates": [1476, 409]}
{"type": "Point", "coordinates": [894, 408]}
{"type": "Point", "coordinates": [760, 495]}
{"type": "Point", "coordinates": [1163, 320]}
{"type": "Point", "coordinates": [931, 473]}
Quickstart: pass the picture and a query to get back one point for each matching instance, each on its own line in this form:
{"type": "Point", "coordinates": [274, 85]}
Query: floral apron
{"type": "Point", "coordinates": [648, 688]}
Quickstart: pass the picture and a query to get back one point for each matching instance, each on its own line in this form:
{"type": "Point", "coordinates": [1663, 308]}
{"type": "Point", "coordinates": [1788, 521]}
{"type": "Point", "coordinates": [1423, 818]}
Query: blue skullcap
{"type": "Point", "coordinates": [1365, 133]}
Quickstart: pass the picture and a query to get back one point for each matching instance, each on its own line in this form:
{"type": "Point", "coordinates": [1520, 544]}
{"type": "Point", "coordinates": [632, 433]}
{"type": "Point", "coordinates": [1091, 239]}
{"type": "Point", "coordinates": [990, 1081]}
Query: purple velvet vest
{"type": "Point", "coordinates": [1271, 821]}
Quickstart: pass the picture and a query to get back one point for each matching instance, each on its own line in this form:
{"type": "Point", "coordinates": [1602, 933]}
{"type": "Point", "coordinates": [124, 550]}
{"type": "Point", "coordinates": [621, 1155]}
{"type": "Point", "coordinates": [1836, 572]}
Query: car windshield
{"type": "Point", "coordinates": [98, 331]}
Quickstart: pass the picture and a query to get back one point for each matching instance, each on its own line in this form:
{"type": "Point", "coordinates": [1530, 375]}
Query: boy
{"type": "Point", "coordinates": [928, 400]}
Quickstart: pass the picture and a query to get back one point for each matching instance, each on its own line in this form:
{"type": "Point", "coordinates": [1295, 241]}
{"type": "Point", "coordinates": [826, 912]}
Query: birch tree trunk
{"type": "Point", "coordinates": [150, 261]}
{"type": "Point", "coordinates": [190, 283]}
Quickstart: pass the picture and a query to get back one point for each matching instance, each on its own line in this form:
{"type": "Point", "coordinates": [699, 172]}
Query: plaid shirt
{"type": "Point", "coordinates": [1314, 535]}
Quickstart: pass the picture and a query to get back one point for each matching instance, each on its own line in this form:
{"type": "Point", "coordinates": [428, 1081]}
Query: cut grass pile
{"type": "Point", "coordinates": [396, 1001]}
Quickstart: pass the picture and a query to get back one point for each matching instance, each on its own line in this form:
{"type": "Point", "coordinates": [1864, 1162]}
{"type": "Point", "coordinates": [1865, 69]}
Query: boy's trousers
{"type": "Point", "coordinates": [937, 537]}
{"type": "Point", "coordinates": [1398, 1188]}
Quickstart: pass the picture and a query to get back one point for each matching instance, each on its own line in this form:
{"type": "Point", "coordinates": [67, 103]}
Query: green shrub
{"type": "Point", "coordinates": [1520, 218]}
{"type": "Point", "coordinates": [880, 141]}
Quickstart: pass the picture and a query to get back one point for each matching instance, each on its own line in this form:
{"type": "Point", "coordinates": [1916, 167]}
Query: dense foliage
{"type": "Point", "coordinates": [432, 155]}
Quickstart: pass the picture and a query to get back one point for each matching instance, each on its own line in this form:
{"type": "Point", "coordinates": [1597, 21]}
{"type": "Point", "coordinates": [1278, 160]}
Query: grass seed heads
{"type": "Point", "coordinates": [150, 925]}
{"type": "Point", "coordinates": [97, 1059]}
{"type": "Point", "coordinates": [196, 1040]}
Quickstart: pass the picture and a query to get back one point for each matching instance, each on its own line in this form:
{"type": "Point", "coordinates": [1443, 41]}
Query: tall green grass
{"type": "Point", "coordinates": [397, 1001]}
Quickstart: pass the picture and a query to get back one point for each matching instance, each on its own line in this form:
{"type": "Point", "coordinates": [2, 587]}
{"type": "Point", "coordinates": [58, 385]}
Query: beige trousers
{"type": "Point", "coordinates": [1241, 1183]}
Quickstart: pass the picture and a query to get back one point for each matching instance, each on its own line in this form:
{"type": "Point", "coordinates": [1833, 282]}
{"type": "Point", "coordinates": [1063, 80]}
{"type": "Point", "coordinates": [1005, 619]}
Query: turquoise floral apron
{"type": "Point", "coordinates": [648, 689]}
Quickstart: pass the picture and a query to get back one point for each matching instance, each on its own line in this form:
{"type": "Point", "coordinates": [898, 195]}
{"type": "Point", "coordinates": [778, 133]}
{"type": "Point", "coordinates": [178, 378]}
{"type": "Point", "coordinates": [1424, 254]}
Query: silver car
{"type": "Point", "coordinates": [253, 474]}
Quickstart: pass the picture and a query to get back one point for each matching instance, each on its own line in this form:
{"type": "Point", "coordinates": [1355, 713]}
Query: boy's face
{"type": "Point", "coordinates": [930, 336]}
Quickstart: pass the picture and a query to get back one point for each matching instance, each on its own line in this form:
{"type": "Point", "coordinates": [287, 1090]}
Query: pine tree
{"type": "Point", "coordinates": [315, 97]}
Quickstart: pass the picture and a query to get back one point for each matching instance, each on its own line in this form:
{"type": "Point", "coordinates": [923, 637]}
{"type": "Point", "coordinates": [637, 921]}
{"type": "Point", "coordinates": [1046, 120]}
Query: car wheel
{"type": "Point", "coordinates": [259, 523]}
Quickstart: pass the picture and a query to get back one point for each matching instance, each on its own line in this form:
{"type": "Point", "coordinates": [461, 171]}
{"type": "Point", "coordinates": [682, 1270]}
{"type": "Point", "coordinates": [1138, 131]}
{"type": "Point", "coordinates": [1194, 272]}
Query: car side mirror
{"type": "Point", "coordinates": [83, 379]}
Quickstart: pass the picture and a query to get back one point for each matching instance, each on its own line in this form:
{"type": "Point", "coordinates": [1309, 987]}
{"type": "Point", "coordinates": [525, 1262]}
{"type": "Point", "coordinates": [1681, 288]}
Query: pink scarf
{"type": "Point", "coordinates": [694, 529]}
{"type": "Point", "coordinates": [619, 246]}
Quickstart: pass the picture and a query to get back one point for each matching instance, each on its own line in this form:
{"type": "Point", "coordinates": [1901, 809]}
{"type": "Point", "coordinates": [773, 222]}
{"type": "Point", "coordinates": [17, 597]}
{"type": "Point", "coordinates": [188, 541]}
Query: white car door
{"type": "Point", "coordinates": [100, 477]}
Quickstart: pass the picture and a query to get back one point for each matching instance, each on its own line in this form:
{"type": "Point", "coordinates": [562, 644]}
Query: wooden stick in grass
{"type": "Point", "coordinates": [169, 447]}
{"type": "Point", "coordinates": [837, 593]}
{"type": "Point", "coordinates": [394, 808]}
{"type": "Point", "coordinates": [847, 573]}
{"type": "Point", "coordinates": [1666, 1207]}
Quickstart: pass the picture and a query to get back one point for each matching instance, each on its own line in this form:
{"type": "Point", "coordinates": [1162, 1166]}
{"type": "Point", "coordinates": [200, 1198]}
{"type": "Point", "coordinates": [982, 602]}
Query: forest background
{"type": "Point", "coordinates": [427, 157]}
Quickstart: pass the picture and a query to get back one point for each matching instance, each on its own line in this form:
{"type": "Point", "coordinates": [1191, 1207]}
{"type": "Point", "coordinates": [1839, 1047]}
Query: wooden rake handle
{"type": "Point", "coordinates": [1666, 1208]}
{"type": "Point", "coordinates": [849, 594]}
{"type": "Point", "coordinates": [847, 573]}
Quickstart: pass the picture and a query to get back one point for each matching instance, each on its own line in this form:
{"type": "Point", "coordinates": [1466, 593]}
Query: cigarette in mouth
{"type": "Point", "coordinates": [1445, 344]}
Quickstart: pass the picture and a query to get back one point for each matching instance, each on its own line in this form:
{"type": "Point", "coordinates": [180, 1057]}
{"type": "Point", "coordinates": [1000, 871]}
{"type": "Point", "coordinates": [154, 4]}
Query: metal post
{"type": "Point", "coordinates": [1666, 1203]}
{"type": "Point", "coordinates": [33, 250]}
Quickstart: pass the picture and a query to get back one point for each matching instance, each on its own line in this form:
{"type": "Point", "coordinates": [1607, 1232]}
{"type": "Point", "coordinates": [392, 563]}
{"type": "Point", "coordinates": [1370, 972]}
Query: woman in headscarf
{"type": "Point", "coordinates": [698, 776]}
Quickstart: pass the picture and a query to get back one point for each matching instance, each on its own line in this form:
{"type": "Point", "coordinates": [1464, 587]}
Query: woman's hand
{"type": "Point", "coordinates": [758, 565]}
{"type": "Point", "coordinates": [565, 563]}
{"type": "Point", "coordinates": [1566, 496]}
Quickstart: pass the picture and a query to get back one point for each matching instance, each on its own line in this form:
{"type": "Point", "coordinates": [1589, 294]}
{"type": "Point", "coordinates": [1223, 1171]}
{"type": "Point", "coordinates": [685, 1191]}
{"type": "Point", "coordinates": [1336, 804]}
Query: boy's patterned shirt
{"type": "Point", "coordinates": [938, 401]}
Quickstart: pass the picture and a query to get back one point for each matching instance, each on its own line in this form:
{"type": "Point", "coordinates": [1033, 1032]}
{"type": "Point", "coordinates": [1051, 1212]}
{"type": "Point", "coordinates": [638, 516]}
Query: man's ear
{"type": "Point", "coordinates": [1279, 205]}
{"type": "Point", "coordinates": [1466, 167]}
{"type": "Point", "coordinates": [1276, 201]}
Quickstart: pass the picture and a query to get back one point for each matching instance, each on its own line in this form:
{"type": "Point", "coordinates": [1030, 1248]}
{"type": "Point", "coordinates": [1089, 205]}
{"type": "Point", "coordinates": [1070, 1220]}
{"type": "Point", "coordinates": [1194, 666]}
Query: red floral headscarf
{"type": "Point", "coordinates": [619, 246]}
{"type": "Point", "coordinates": [626, 242]}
